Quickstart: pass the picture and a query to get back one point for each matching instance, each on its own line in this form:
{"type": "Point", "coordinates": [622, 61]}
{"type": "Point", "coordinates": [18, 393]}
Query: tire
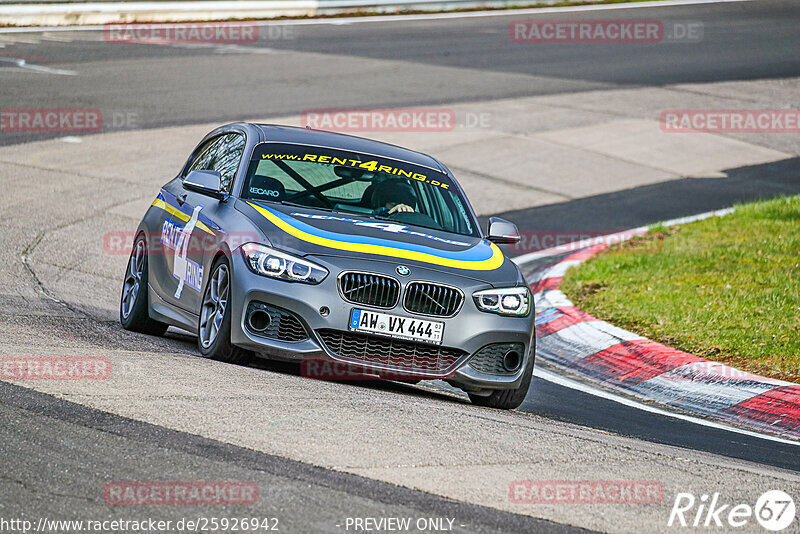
{"type": "Point", "coordinates": [507, 399]}
{"type": "Point", "coordinates": [134, 305]}
{"type": "Point", "coordinates": [214, 325]}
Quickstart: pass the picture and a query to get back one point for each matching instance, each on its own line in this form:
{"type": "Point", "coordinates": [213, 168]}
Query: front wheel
{"type": "Point", "coordinates": [214, 330]}
{"type": "Point", "coordinates": [134, 314]}
{"type": "Point", "coordinates": [507, 399]}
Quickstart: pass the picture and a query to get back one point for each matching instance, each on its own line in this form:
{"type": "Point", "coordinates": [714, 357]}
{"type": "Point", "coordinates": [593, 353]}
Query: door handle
{"type": "Point", "coordinates": [181, 199]}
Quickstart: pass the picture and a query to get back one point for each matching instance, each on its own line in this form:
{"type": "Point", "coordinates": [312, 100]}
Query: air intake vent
{"type": "Point", "coordinates": [433, 299]}
{"type": "Point", "coordinates": [369, 289]}
{"type": "Point", "coordinates": [273, 322]}
{"type": "Point", "coordinates": [394, 354]}
{"type": "Point", "coordinates": [490, 359]}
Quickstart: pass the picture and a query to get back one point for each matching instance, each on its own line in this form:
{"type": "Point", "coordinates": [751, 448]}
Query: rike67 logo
{"type": "Point", "coordinates": [774, 510]}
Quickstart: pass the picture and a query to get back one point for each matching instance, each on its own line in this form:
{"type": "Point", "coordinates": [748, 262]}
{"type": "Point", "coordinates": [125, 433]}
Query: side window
{"type": "Point", "coordinates": [227, 158]}
{"type": "Point", "coordinates": [205, 156]}
{"type": "Point", "coordinates": [221, 154]}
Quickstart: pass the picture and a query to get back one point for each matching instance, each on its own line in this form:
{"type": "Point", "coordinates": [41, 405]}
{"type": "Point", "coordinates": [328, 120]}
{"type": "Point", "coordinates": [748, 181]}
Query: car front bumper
{"type": "Point", "coordinates": [321, 307]}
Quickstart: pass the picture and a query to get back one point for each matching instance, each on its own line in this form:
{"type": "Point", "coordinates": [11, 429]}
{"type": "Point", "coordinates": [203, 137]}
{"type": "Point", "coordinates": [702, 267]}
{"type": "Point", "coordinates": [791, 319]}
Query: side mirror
{"type": "Point", "coordinates": [205, 182]}
{"type": "Point", "coordinates": [502, 232]}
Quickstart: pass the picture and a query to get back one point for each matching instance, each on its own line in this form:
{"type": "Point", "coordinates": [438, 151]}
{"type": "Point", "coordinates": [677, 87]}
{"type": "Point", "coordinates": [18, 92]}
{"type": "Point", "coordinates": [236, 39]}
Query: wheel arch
{"type": "Point", "coordinates": [222, 250]}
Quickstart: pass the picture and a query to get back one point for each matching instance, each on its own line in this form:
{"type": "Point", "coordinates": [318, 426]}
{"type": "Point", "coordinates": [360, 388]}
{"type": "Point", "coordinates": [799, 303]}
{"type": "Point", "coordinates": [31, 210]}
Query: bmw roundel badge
{"type": "Point", "coordinates": [402, 270]}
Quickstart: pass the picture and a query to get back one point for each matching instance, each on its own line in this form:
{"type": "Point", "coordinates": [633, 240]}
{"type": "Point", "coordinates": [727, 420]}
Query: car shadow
{"type": "Point", "coordinates": [293, 368]}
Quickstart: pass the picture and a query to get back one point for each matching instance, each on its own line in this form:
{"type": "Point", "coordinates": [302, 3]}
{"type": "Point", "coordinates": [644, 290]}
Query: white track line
{"type": "Point", "coordinates": [626, 401]}
{"type": "Point", "coordinates": [22, 64]}
{"type": "Point", "coordinates": [340, 21]}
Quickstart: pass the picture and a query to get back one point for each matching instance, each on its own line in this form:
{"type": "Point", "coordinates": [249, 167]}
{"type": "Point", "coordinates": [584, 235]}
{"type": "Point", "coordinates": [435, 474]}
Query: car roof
{"type": "Point", "coordinates": [306, 136]}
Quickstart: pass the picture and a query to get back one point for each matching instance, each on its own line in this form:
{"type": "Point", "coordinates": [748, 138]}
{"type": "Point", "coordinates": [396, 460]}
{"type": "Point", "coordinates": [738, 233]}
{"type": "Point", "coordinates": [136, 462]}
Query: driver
{"type": "Point", "coordinates": [394, 196]}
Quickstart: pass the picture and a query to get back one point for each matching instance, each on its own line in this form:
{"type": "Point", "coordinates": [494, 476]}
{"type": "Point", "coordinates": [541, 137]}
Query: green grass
{"type": "Point", "coordinates": [726, 288]}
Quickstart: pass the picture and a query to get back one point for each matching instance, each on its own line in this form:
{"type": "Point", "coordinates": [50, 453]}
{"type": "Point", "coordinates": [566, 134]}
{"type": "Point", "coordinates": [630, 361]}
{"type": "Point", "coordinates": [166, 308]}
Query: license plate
{"type": "Point", "coordinates": [396, 326]}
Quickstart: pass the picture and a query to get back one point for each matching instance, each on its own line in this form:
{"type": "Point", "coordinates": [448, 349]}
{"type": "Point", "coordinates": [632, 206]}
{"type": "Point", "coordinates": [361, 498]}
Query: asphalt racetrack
{"type": "Point", "coordinates": [562, 138]}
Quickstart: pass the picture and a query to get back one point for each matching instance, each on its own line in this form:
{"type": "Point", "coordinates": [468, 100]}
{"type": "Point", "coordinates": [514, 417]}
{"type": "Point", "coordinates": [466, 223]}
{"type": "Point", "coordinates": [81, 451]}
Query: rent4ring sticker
{"type": "Point", "coordinates": [292, 153]}
{"type": "Point", "coordinates": [396, 326]}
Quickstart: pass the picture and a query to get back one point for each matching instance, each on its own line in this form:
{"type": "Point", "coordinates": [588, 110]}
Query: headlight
{"type": "Point", "coordinates": [275, 264]}
{"type": "Point", "coordinates": [515, 301]}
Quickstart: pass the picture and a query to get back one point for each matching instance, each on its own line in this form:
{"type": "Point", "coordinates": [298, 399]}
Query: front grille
{"type": "Point", "coordinates": [283, 324]}
{"type": "Point", "coordinates": [369, 289]}
{"type": "Point", "coordinates": [404, 356]}
{"type": "Point", "coordinates": [489, 359]}
{"type": "Point", "coordinates": [432, 299]}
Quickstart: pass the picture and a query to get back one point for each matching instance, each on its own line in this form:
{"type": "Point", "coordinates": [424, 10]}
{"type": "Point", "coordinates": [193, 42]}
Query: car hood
{"type": "Point", "coordinates": [309, 232]}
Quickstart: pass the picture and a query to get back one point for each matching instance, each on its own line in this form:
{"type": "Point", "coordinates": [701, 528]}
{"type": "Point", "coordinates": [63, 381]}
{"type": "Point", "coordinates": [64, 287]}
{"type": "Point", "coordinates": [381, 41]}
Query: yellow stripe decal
{"type": "Point", "coordinates": [491, 263]}
{"type": "Point", "coordinates": [179, 214]}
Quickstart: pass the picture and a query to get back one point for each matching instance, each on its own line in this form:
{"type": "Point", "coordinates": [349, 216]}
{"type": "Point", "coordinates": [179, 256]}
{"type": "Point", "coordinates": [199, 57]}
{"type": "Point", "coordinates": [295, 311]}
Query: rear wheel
{"type": "Point", "coordinates": [134, 304]}
{"type": "Point", "coordinates": [214, 329]}
{"type": "Point", "coordinates": [507, 399]}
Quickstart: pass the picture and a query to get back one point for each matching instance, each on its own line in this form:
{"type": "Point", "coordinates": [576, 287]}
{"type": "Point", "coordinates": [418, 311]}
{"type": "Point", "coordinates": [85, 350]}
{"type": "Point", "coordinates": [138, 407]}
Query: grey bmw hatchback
{"type": "Point", "coordinates": [303, 245]}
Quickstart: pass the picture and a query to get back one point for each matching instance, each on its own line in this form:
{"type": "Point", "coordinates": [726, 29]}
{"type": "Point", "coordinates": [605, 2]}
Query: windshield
{"type": "Point", "coordinates": [357, 184]}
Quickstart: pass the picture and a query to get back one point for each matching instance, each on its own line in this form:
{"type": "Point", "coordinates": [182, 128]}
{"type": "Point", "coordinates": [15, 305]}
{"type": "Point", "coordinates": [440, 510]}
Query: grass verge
{"type": "Point", "coordinates": [726, 288]}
